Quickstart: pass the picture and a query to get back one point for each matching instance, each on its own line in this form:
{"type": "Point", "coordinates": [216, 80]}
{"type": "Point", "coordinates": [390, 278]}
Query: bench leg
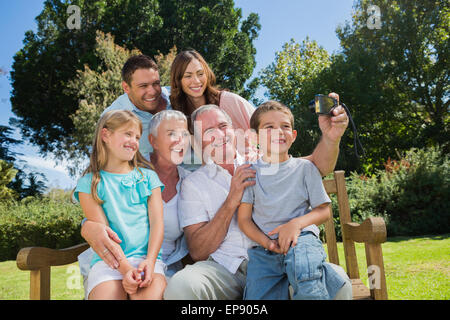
{"type": "Point", "coordinates": [40, 284]}
{"type": "Point", "coordinates": [375, 268]}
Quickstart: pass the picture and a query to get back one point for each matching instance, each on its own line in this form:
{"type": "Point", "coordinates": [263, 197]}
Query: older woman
{"type": "Point", "coordinates": [170, 140]}
{"type": "Point", "coordinates": [169, 137]}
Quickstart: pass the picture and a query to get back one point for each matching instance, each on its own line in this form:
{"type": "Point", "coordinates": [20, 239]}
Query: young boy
{"type": "Point", "coordinates": [276, 213]}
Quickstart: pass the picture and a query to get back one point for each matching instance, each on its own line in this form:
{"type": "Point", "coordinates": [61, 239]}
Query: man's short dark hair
{"type": "Point", "coordinates": [134, 63]}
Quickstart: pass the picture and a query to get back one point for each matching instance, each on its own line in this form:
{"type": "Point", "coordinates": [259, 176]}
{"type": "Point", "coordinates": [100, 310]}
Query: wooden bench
{"type": "Point", "coordinates": [372, 232]}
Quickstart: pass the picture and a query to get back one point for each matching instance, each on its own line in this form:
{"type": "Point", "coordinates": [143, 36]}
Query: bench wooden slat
{"type": "Point", "coordinates": [360, 291]}
{"type": "Point", "coordinates": [344, 215]}
{"type": "Point", "coordinates": [330, 239]}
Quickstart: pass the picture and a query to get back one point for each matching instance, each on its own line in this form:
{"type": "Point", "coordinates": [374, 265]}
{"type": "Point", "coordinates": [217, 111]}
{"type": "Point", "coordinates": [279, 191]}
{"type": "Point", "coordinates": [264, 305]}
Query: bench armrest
{"type": "Point", "coordinates": [34, 258]}
{"type": "Point", "coordinates": [372, 230]}
{"type": "Point", "coordinates": [373, 233]}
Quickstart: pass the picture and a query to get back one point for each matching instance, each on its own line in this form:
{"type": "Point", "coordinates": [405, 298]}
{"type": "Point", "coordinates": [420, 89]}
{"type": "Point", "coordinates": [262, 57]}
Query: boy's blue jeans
{"type": "Point", "coordinates": [303, 267]}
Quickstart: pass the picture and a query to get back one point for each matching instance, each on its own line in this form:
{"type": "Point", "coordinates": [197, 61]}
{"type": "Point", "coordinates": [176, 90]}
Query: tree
{"type": "Point", "coordinates": [35, 187]}
{"type": "Point", "coordinates": [396, 76]}
{"type": "Point", "coordinates": [212, 28]}
{"type": "Point", "coordinates": [292, 80]}
{"type": "Point", "coordinates": [51, 57]}
{"type": "Point", "coordinates": [95, 91]}
{"type": "Point", "coordinates": [164, 64]}
{"type": "Point", "coordinates": [7, 174]}
{"type": "Point", "coordinates": [14, 181]}
{"type": "Point", "coordinates": [393, 76]}
{"type": "Point", "coordinates": [6, 142]}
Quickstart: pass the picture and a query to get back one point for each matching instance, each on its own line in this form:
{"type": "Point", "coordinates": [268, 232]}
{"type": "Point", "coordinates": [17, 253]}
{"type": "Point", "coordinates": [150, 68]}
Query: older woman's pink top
{"type": "Point", "coordinates": [239, 109]}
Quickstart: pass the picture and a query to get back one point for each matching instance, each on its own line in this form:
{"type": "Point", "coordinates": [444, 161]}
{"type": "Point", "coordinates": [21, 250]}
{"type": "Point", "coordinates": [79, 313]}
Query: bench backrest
{"type": "Point", "coordinates": [337, 186]}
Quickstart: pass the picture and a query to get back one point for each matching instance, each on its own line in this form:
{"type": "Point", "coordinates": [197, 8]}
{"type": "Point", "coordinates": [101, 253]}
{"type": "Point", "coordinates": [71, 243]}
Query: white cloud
{"type": "Point", "coordinates": [43, 163]}
{"type": "Point", "coordinates": [56, 174]}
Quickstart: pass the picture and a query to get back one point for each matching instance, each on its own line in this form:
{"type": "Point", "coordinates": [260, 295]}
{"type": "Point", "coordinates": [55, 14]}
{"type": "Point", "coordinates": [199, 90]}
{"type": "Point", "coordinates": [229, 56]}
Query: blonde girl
{"type": "Point", "coordinates": [120, 190]}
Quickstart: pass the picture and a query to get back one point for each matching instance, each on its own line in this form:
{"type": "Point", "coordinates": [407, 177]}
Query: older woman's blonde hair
{"type": "Point", "coordinates": [111, 120]}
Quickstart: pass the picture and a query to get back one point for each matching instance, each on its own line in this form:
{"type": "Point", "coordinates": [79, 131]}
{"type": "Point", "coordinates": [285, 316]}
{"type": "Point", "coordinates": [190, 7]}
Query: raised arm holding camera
{"type": "Point", "coordinates": [333, 127]}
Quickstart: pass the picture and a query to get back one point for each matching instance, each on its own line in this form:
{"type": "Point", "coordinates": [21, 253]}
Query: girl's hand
{"type": "Point", "coordinates": [287, 235]}
{"type": "Point", "coordinates": [147, 268]}
{"type": "Point", "coordinates": [131, 281]}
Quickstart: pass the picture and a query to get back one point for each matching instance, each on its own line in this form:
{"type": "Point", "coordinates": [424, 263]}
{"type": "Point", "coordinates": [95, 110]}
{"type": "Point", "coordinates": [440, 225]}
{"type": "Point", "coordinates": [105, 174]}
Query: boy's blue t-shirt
{"type": "Point", "coordinates": [284, 191]}
{"type": "Point", "coordinates": [124, 199]}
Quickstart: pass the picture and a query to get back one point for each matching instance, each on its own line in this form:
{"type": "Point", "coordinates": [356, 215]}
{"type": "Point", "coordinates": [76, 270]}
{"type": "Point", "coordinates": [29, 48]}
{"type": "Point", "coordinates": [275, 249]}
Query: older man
{"type": "Point", "coordinates": [208, 202]}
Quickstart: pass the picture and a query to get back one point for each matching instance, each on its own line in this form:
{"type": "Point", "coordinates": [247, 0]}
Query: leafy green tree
{"type": "Point", "coordinates": [19, 184]}
{"type": "Point", "coordinates": [392, 73]}
{"type": "Point", "coordinates": [6, 142]}
{"type": "Point", "coordinates": [212, 28]}
{"type": "Point", "coordinates": [7, 174]}
{"type": "Point", "coordinates": [51, 57]}
{"type": "Point", "coordinates": [164, 64]}
{"type": "Point", "coordinates": [35, 186]}
{"type": "Point", "coordinates": [395, 76]}
{"type": "Point", "coordinates": [96, 90]}
{"type": "Point", "coordinates": [292, 80]}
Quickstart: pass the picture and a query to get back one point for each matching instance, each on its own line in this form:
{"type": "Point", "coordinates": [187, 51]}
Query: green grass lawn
{"type": "Point", "coordinates": [417, 268]}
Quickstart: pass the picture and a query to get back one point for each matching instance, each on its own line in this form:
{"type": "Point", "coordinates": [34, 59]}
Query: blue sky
{"type": "Point", "coordinates": [280, 20]}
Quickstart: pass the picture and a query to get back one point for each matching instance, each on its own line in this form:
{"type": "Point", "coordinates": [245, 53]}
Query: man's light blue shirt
{"type": "Point", "coordinates": [124, 103]}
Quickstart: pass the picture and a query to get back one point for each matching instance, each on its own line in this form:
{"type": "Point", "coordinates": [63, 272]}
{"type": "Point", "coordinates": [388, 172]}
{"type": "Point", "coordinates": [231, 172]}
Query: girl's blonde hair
{"type": "Point", "coordinates": [111, 120]}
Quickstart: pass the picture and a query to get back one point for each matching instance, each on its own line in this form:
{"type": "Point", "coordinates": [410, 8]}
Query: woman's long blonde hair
{"type": "Point", "coordinates": [111, 120]}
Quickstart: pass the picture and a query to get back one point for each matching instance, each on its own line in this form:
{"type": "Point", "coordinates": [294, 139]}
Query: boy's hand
{"type": "Point", "coordinates": [131, 281]}
{"type": "Point", "coordinates": [288, 234]}
{"type": "Point", "coordinates": [147, 268]}
{"type": "Point", "coordinates": [272, 245]}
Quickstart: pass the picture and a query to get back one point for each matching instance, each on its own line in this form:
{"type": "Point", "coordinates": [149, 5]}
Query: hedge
{"type": "Point", "coordinates": [412, 194]}
{"type": "Point", "coordinates": [47, 222]}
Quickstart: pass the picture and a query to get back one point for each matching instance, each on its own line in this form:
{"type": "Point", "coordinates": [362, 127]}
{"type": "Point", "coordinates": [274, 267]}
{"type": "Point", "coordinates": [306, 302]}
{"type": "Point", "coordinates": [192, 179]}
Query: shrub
{"type": "Point", "coordinates": [412, 194]}
{"type": "Point", "coordinates": [48, 222]}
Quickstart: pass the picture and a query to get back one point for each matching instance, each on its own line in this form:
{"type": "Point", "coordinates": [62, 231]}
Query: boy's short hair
{"type": "Point", "coordinates": [134, 63]}
{"type": "Point", "coordinates": [270, 105]}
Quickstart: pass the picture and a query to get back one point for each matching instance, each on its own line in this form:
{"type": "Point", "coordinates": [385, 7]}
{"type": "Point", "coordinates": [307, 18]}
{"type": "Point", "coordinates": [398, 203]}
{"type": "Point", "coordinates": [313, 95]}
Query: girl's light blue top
{"type": "Point", "coordinates": [125, 206]}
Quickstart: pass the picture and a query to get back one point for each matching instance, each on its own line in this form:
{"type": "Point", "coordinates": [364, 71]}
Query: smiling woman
{"type": "Point", "coordinates": [193, 84]}
{"type": "Point", "coordinates": [194, 81]}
